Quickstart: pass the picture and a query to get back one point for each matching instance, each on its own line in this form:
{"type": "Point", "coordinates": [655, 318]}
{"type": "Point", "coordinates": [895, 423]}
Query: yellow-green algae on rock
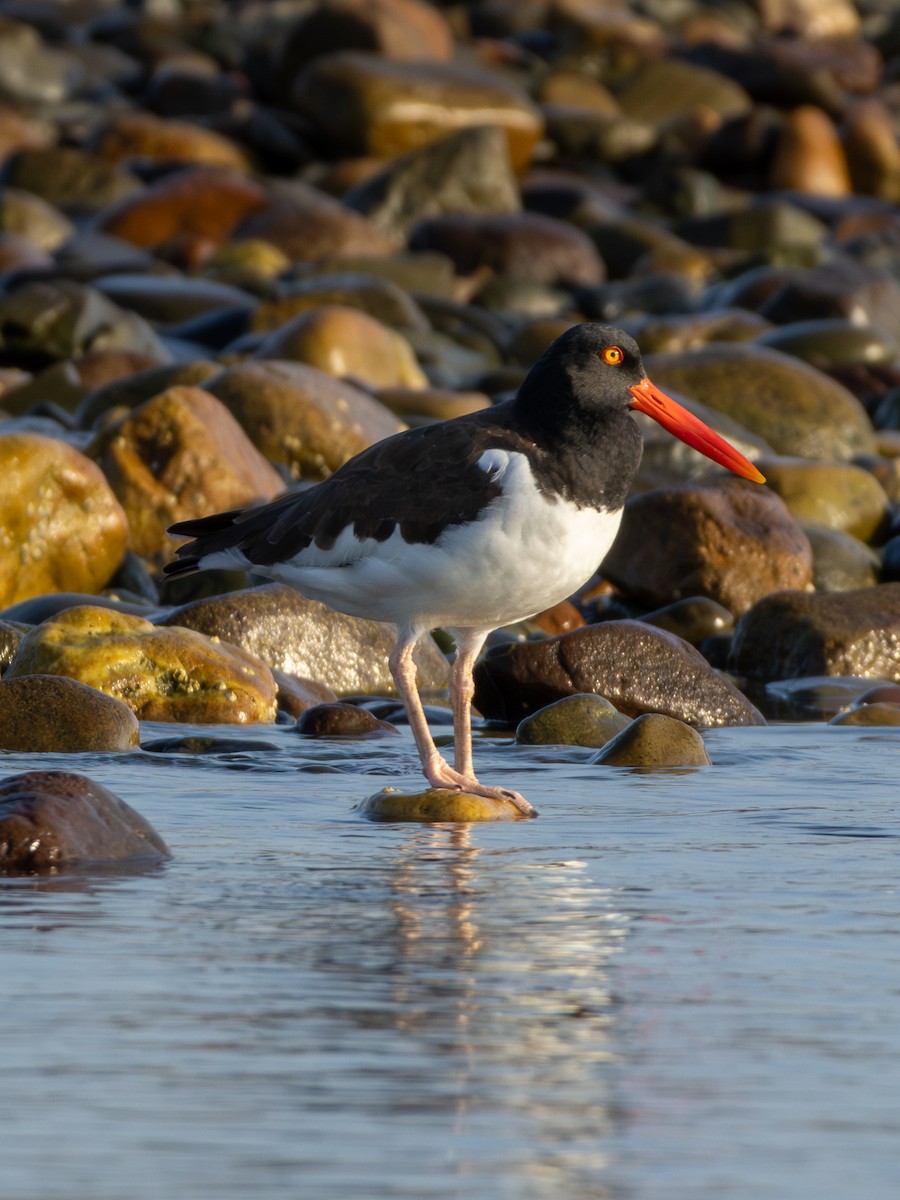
{"type": "Point", "coordinates": [162, 674]}
{"type": "Point", "coordinates": [437, 804]}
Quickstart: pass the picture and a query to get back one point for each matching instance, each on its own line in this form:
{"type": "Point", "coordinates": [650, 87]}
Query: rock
{"type": "Point", "coordinates": [309, 226]}
{"type": "Point", "coordinates": [170, 299]}
{"type": "Point", "coordinates": [49, 713]}
{"type": "Point", "coordinates": [54, 820]}
{"type": "Point", "coordinates": [581, 720]}
{"type": "Point", "coordinates": [199, 202]}
{"type": "Point", "coordinates": [437, 804]}
{"type": "Point", "coordinates": [811, 18]}
{"type": "Point", "coordinates": [636, 667]}
{"type": "Point", "coordinates": [379, 298]}
{"type": "Point", "coordinates": [695, 619]}
{"type": "Point", "coordinates": [32, 218]}
{"type": "Point", "coordinates": [181, 455]}
{"type": "Point", "coordinates": [306, 638]}
{"type": "Point", "coordinates": [771, 227]}
{"type": "Point", "coordinates": [141, 135]}
{"type": "Point", "coordinates": [22, 131]}
{"type": "Point", "coordinates": [415, 405]}
{"type": "Point", "coordinates": [873, 156]}
{"type": "Point", "coordinates": [809, 157]}
{"type": "Point", "coordinates": [468, 171]}
{"type": "Point", "coordinates": [797, 409]}
{"type": "Point", "coordinates": [296, 695]}
{"type": "Point", "coordinates": [61, 526]}
{"type": "Point", "coordinates": [65, 384]}
{"type": "Point", "coordinates": [11, 634]}
{"type": "Point", "coordinates": [839, 496]}
{"type": "Point", "coordinates": [70, 178]}
{"type": "Point", "coordinates": [813, 698]}
{"type": "Point", "coordinates": [347, 344]}
{"type": "Point", "coordinates": [560, 618]}
{"type": "Point", "coordinates": [674, 332]}
{"type": "Point", "coordinates": [882, 693]}
{"type": "Point", "coordinates": [730, 542]}
{"type": "Point", "coordinates": [525, 245]}
{"type": "Point", "coordinates": [301, 417]}
{"type": "Point", "coordinates": [840, 288]}
{"type": "Point", "coordinates": [43, 321]}
{"type": "Point", "coordinates": [839, 633]}
{"type": "Point", "coordinates": [343, 720]}
{"type": "Point", "coordinates": [840, 561]}
{"type": "Point", "coordinates": [869, 714]}
{"type": "Point", "coordinates": [398, 30]}
{"type": "Point", "coordinates": [130, 391]}
{"type": "Point", "coordinates": [161, 674]}
{"type": "Point", "coordinates": [362, 105]}
{"type": "Point", "coordinates": [663, 90]}
{"type": "Point", "coordinates": [654, 741]}
{"type": "Point", "coordinates": [831, 342]}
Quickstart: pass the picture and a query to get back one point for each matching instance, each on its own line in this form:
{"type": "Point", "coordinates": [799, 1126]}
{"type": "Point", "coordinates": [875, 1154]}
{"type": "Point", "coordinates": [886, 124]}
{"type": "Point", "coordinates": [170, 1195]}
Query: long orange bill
{"type": "Point", "coordinates": [672, 416]}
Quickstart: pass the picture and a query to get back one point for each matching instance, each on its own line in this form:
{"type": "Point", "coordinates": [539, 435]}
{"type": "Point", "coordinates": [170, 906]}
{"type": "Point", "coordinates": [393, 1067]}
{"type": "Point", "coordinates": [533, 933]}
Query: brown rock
{"type": "Point", "coordinates": [729, 542]}
{"type": "Point", "coordinates": [347, 344]}
{"type": "Point", "coordinates": [840, 496]}
{"type": "Point", "coordinates": [181, 455]}
{"type": "Point", "coordinates": [33, 219]}
{"type": "Point", "coordinates": [379, 298]}
{"type": "Point", "coordinates": [809, 156]}
{"type": "Point", "coordinates": [51, 820]}
{"type": "Point", "coordinates": [811, 18]}
{"type": "Point", "coordinates": [129, 391]}
{"type": "Point", "coordinates": [663, 90]}
{"type": "Point", "coordinates": [21, 131]}
{"type": "Point", "coordinates": [525, 245]}
{"type": "Point", "coordinates": [140, 135]}
{"type": "Point", "coordinates": [198, 202]}
{"type": "Point", "coordinates": [343, 720]}
{"type": "Point", "coordinates": [437, 804]}
{"type": "Point", "coordinates": [636, 667]}
{"type": "Point", "coordinates": [161, 674]}
{"type": "Point", "coordinates": [654, 741]}
{"type": "Point", "coordinates": [369, 106]}
{"type": "Point", "coordinates": [61, 526]}
{"type": "Point", "coordinates": [309, 226]}
{"type": "Point", "coordinates": [296, 695]}
{"type": "Point", "coordinates": [49, 713]}
{"type": "Point", "coordinates": [793, 634]}
{"type": "Point", "coordinates": [561, 618]}
{"type": "Point", "coordinates": [300, 416]}
{"type": "Point", "coordinates": [306, 638]}
{"type": "Point", "coordinates": [797, 409]}
{"type": "Point", "coordinates": [873, 156]}
{"type": "Point", "coordinates": [581, 720]}
{"type": "Point", "coordinates": [869, 714]}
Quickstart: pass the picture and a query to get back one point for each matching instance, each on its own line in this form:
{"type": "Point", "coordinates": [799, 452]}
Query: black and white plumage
{"type": "Point", "coordinates": [468, 524]}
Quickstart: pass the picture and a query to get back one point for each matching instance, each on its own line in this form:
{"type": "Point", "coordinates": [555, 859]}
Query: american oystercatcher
{"type": "Point", "coordinates": [468, 524]}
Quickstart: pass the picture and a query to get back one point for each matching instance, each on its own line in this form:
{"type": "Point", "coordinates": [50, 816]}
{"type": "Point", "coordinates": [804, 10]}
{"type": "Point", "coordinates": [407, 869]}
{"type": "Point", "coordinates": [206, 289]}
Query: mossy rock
{"type": "Point", "coordinates": [437, 804]}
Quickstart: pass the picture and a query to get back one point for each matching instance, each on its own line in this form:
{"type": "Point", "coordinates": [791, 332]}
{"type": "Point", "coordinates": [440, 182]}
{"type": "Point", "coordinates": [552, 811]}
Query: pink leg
{"type": "Point", "coordinates": [437, 770]}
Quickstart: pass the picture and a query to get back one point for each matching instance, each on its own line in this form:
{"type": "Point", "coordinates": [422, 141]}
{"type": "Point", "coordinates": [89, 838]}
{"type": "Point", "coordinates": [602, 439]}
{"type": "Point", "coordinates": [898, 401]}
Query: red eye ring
{"type": "Point", "coordinates": [613, 355]}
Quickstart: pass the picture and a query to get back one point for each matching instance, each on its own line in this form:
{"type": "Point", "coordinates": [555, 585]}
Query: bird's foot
{"type": "Point", "coordinates": [441, 775]}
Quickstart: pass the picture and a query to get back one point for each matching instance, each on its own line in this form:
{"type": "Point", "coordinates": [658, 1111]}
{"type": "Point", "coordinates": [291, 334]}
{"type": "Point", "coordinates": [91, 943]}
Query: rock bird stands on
{"type": "Point", "coordinates": [468, 524]}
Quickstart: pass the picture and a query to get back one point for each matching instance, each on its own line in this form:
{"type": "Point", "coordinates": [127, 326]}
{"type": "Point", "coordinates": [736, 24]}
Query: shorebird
{"type": "Point", "coordinates": [467, 524]}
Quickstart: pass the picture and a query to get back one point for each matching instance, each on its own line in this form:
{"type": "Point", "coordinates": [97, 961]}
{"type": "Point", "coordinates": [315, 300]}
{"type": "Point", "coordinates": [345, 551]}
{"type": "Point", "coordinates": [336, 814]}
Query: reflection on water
{"type": "Point", "coordinates": [678, 986]}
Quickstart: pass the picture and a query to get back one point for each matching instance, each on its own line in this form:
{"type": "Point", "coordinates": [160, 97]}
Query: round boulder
{"type": "Point", "coordinates": [437, 804]}
{"type": "Point", "coordinates": [583, 720]}
{"type": "Point", "coordinates": [654, 741]}
{"type": "Point", "coordinates": [50, 713]}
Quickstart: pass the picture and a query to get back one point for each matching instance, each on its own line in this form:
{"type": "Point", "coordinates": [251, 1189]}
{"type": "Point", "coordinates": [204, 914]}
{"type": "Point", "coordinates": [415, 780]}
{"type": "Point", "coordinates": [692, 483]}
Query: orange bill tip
{"type": "Point", "coordinates": [691, 430]}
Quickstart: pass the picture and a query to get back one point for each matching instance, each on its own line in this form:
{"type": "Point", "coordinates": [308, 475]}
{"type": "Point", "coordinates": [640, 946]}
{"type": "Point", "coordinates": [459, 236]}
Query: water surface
{"type": "Point", "coordinates": [673, 986]}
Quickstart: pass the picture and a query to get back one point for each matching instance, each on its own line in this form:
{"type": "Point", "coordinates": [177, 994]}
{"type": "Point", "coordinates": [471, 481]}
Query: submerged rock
{"type": "Point", "coordinates": [342, 720]}
{"type": "Point", "coordinates": [50, 713]}
{"type": "Point", "coordinates": [437, 804]}
{"type": "Point", "coordinates": [583, 720]}
{"type": "Point", "coordinates": [53, 820]}
{"type": "Point", "coordinates": [655, 741]}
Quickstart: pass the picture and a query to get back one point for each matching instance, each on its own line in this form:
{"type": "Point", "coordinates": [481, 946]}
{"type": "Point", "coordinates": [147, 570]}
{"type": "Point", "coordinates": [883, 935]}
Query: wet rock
{"type": "Point", "coordinates": [202, 203]}
{"type": "Point", "coordinates": [47, 320]}
{"type": "Point", "coordinates": [839, 496]}
{"type": "Point", "coordinates": [636, 667]}
{"type": "Point", "coordinates": [65, 384]}
{"type": "Point", "coordinates": [869, 714]}
{"type": "Point", "coordinates": [771, 227]}
{"type": "Point", "coordinates": [582, 720]}
{"type": "Point", "coordinates": [41, 608]}
{"type": "Point", "coordinates": [71, 179]}
{"type": "Point", "coordinates": [881, 693]}
{"type": "Point", "coordinates": [873, 156]}
{"type": "Point", "coordinates": [301, 417]}
{"type": "Point", "coordinates": [204, 745]}
{"type": "Point", "coordinates": [654, 741]}
{"type": "Point", "coordinates": [306, 638]}
{"type": "Point", "coordinates": [309, 226]}
{"type": "Point", "coordinates": [437, 804]}
{"type": "Point", "coordinates": [347, 344]}
{"type": "Point", "coordinates": [797, 409]}
{"type": "Point", "coordinates": [11, 634]}
{"type": "Point", "coordinates": [831, 342]}
{"type": "Point", "coordinates": [169, 299]}
{"type": "Point", "coordinates": [362, 105]}
{"type": "Point", "coordinates": [560, 618]}
{"type": "Point", "coordinates": [49, 713]}
{"type": "Point", "coordinates": [379, 298]}
{"type": "Point", "coordinates": [342, 720]}
{"type": "Point", "coordinates": [840, 561]}
{"type": "Point", "coordinates": [22, 131]}
{"type": "Point", "coordinates": [814, 697]}
{"type": "Point", "coordinates": [130, 391]}
{"type": "Point", "coordinates": [694, 618]}
{"type": "Point", "coordinates": [54, 820]}
{"type": "Point", "coordinates": [729, 542]}
{"type": "Point", "coordinates": [414, 405]}
{"type": "Point", "coordinates": [127, 136]}
{"type": "Point", "coordinates": [61, 526]}
{"type": "Point", "coordinates": [467, 171]}
{"type": "Point", "coordinates": [663, 90]}
{"type": "Point", "coordinates": [296, 695]}
{"type": "Point", "coordinates": [809, 156]}
{"type": "Point", "coordinates": [525, 245]}
{"type": "Point", "coordinates": [32, 73]}
{"type": "Point", "coordinates": [840, 633]}
{"type": "Point", "coordinates": [687, 331]}
{"type": "Point", "coordinates": [180, 455]}
{"type": "Point", "coordinates": [839, 288]}
{"type": "Point", "coordinates": [811, 18]}
{"type": "Point", "coordinates": [161, 674]}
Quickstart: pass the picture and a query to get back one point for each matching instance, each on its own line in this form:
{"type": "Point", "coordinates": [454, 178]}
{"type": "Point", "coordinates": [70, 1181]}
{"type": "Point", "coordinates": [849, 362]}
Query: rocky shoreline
{"type": "Point", "coordinates": [238, 244]}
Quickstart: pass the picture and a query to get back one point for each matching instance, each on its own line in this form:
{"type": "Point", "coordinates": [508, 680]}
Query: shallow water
{"type": "Point", "coordinates": [673, 986]}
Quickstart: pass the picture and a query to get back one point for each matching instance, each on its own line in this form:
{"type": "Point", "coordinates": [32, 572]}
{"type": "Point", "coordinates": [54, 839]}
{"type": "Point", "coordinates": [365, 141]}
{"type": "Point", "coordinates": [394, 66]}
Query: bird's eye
{"type": "Point", "coordinates": [612, 355]}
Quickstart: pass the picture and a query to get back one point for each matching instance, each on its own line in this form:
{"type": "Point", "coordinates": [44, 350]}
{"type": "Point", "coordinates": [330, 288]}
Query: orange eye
{"type": "Point", "coordinates": [612, 355]}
